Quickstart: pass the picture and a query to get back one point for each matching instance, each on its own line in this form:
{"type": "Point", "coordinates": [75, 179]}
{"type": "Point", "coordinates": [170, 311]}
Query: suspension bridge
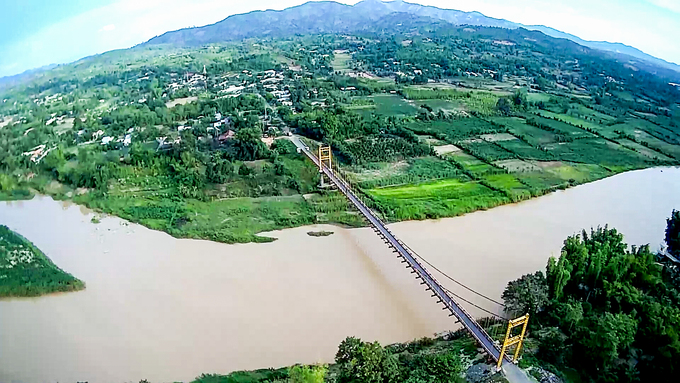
{"type": "Point", "coordinates": [324, 161]}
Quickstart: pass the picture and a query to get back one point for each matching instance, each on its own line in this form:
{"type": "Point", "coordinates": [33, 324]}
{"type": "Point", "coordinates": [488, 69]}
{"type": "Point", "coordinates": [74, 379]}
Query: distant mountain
{"type": "Point", "coordinates": [10, 81]}
{"type": "Point", "coordinates": [332, 17]}
{"type": "Point", "coordinates": [315, 17]}
{"type": "Point", "coordinates": [606, 46]}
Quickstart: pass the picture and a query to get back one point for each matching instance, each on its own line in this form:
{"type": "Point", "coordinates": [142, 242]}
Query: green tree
{"type": "Point", "coordinates": [307, 374]}
{"type": "Point", "coordinates": [527, 295]}
{"type": "Point", "coordinates": [248, 145]}
{"type": "Point", "coordinates": [503, 106]}
{"type": "Point", "coordinates": [519, 99]}
{"type": "Point", "coordinates": [219, 170]}
{"type": "Point", "coordinates": [673, 233]}
{"type": "Point", "coordinates": [363, 362]}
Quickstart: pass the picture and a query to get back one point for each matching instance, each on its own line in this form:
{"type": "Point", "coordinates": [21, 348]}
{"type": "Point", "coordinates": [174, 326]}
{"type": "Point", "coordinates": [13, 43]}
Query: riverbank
{"type": "Point", "coordinates": [25, 271]}
{"type": "Point", "coordinates": [171, 309]}
{"type": "Point", "coordinates": [244, 220]}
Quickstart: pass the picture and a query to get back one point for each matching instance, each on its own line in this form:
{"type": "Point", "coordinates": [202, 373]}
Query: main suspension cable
{"type": "Point", "coordinates": [449, 277]}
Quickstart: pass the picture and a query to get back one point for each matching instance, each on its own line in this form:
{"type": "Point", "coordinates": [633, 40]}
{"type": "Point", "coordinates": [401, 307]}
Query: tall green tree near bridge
{"type": "Point", "coordinates": [611, 313]}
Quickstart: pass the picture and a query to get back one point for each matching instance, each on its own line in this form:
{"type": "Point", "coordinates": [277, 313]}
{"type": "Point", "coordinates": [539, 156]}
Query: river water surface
{"type": "Point", "coordinates": [164, 309]}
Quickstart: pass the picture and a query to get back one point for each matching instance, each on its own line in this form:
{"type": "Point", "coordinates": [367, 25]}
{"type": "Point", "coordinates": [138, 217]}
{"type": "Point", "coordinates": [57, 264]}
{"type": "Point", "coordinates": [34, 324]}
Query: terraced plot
{"type": "Point", "coordinates": [341, 61]}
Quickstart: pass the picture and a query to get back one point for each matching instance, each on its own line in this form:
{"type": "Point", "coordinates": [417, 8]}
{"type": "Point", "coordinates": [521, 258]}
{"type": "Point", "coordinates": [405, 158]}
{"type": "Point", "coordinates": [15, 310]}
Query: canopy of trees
{"type": "Point", "coordinates": [604, 309]}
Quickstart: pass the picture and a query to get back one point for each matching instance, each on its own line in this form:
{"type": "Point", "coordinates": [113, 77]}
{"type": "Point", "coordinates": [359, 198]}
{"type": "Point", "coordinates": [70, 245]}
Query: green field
{"type": "Point", "coordinates": [472, 164]}
{"type": "Point", "coordinates": [25, 271]}
{"type": "Point", "coordinates": [525, 151]}
{"type": "Point", "coordinates": [443, 105]}
{"type": "Point", "coordinates": [341, 62]}
{"type": "Point", "coordinates": [455, 130]}
{"type": "Point", "coordinates": [560, 127]}
{"type": "Point", "coordinates": [599, 151]}
{"type": "Point", "coordinates": [531, 134]}
{"type": "Point", "coordinates": [644, 150]}
{"type": "Point", "coordinates": [538, 97]}
{"type": "Point", "coordinates": [575, 121]}
{"type": "Point", "coordinates": [414, 170]}
{"type": "Point", "coordinates": [443, 198]}
{"type": "Point", "coordinates": [388, 105]}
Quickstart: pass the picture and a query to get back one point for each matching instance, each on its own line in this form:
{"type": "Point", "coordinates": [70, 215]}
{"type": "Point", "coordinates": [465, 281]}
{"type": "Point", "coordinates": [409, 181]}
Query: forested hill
{"type": "Point", "coordinates": [331, 17]}
{"type": "Point", "coordinates": [312, 18]}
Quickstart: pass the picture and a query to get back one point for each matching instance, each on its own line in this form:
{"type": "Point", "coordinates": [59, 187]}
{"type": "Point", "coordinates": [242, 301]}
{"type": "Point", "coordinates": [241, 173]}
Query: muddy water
{"type": "Point", "coordinates": [164, 309]}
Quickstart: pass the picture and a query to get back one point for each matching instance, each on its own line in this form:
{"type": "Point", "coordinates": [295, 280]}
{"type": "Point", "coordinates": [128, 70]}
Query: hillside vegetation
{"type": "Point", "coordinates": [26, 272]}
{"type": "Point", "coordinates": [426, 119]}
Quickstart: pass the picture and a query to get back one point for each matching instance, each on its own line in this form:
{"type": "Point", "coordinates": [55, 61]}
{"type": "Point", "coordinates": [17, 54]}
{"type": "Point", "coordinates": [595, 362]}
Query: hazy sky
{"type": "Point", "coordinates": [34, 33]}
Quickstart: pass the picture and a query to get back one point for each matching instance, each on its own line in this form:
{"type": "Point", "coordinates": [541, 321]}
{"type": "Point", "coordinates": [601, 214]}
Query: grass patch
{"type": "Point", "coordinates": [415, 170]}
{"type": "Point", "coordinates": [443, 198]}
{"type": "Point", "coordinates": [25, 271]}
{"type": "Point", "coordinates": [509, 184]}
{"type": "Point", "coordinates": [387, 105]}
{"type": "Point", "coordinates": [333, 207]}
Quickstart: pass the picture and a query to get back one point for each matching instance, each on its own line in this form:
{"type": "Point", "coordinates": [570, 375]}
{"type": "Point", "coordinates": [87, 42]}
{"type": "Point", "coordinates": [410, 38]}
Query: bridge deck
{"type": "Point", "coordinates": [432, 285]}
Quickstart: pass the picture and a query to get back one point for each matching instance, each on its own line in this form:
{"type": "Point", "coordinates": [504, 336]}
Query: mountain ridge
{"type": "Point", "coordinates": [333, 17]}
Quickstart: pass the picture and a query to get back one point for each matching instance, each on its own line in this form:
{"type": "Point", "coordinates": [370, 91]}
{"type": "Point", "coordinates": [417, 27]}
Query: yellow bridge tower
{"type": "Point", "coordinates": [515, 340]}
{"type": "Point", "coordinates": [325, 159]}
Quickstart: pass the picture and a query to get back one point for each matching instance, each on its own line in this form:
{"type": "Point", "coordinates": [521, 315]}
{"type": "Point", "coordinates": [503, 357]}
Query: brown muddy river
{"type": "Point", "coordinates": [164, 309]}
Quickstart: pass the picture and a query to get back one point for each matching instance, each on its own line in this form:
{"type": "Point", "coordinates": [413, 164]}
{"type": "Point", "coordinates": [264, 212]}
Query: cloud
{"type": "Point", "coordinates": [107, 28]}
{"type": "Point", "coordinates": [9, 67]}
{"type": "Point", "coordinates": [670, 5]}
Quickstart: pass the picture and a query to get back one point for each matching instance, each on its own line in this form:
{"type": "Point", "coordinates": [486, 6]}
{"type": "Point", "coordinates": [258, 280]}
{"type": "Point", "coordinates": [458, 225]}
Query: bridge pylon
{"type": "Point", "coordinates": [325, 159]}
{"type": "Point", "coordinates": [515, 340]}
